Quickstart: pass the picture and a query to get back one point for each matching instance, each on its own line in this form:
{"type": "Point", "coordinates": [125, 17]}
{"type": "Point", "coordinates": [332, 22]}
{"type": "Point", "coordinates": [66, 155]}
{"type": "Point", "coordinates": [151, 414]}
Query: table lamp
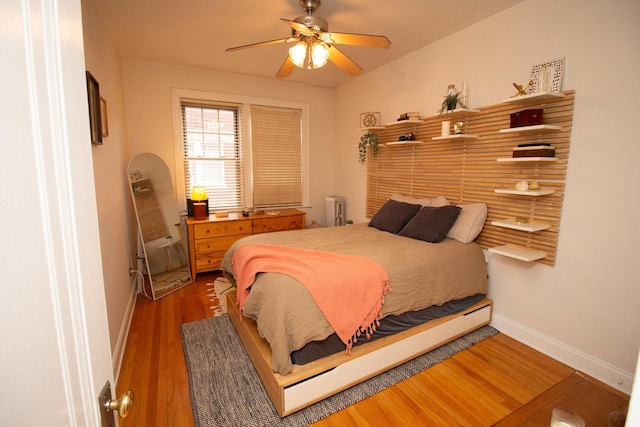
{"type": "Point", "coordinates": [199, 200]}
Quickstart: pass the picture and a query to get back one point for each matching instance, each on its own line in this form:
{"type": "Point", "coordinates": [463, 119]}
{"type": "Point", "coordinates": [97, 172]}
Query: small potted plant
{"type": "Point", "coordinates": [367, 140]}
{"type": "Point", "coordinates": [451, 100]}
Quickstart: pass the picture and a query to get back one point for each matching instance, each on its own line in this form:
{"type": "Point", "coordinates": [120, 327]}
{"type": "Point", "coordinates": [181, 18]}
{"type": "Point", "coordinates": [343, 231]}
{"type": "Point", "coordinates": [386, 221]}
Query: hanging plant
{"type": "Point", "coordinates": [367, 140]}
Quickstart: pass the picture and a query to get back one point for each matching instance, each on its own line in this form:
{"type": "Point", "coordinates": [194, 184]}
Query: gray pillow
{"type": "Point", "coordinates": [431, 224]}
{"type": "Point", "coordinates": [393, 215]}
{"type": "Point", "coordinates": [470, 222]}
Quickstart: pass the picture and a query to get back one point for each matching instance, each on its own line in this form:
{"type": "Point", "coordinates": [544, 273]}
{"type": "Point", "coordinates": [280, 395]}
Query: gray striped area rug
{"type": "Point", "coordinates": [226, 390]}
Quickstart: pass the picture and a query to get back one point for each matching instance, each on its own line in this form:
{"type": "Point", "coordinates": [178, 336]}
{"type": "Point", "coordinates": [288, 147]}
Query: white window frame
{"type": "Point", "coordinates": [179, 95]}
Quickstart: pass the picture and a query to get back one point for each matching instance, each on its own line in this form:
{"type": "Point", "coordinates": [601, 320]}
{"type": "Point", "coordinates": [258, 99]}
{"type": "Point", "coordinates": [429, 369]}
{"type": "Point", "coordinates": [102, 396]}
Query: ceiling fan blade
{"type": "Point", "coordinates": [286, 68]}
{"type": "Point", "coordinates": [360, 40]}
{"type": "Point", "coordinates": [343, 62]}
{"type": "Point", "coordinates": [301, 28]}
{"type": "Point", "coordinates": [233, 49]}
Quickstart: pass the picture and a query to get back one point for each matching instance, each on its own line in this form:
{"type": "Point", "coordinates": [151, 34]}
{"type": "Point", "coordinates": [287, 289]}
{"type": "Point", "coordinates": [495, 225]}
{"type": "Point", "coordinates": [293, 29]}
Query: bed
{"type": "Point", "coordinates": [280, 320]}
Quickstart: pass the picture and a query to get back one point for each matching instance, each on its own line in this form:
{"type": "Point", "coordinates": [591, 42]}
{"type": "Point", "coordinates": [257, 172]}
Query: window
{"type": "Point", "coordinates": [244, 151]}
{"type": "Point", "coordinates": [277, 156]}
{"type": "Point", "coordinates": [211, 143]}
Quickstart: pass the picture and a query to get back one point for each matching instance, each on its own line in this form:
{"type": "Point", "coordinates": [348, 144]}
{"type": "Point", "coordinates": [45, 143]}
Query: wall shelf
{"type": "Point", "coordinates": [459, 137]}
{"type": "Point", "coordinates": [530, 227]}
{"type": "Point", "coordinates": [454, 114]}
{"type": "Point", "coordinates": [370, 128]}
{"type": "Point", "coordinates": [527, 159]}
{"type": "Point", "coordinates": [532, 129]}
{"type": "Point", "coordinates": [534, 98]}
{"type": "Point", "coordinates": [404, 123]}
{"type": "Point", "coordinates": [518, 253]}
{"type": "Point", "coordinates": [395, 143]}
{"type": "Point", "coordinates": [535, 193]}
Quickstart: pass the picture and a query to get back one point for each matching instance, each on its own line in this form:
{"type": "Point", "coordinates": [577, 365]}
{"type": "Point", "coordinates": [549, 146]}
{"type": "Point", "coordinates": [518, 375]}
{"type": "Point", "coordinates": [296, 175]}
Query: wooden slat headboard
{"type": "Point", "coordinates": [467, 171]}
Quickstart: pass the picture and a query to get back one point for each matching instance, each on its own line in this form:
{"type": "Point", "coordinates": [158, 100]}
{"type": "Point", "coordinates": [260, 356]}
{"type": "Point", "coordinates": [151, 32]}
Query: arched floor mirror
{"type": "Point", "coordinates": [160, 232]}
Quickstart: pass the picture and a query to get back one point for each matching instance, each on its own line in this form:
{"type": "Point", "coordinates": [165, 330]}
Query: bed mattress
{"type": "Point", "coordinates": [421, 275]}
{"type": "Point", "coordinates": [389, 325]}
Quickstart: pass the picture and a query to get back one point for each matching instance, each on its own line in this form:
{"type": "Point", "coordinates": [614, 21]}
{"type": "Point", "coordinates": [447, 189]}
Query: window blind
{"type": "Point", "coordinates": [276, 147]}
{"type": "Point", "coordinates": [212, 152]}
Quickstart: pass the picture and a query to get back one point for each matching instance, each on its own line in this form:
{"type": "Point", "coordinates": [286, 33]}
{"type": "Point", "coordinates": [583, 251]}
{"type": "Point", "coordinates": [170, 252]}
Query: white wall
{"type": "Point", "coordinates": [112, 193]}
{"type": "Point", "coordinates": [585, 309]}
{"type": "Point", "coordinates": [150, 118]}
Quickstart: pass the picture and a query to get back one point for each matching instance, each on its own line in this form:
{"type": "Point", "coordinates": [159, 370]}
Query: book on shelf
{"type": "Point", "coordinates": [409, 116]}
{"type": "Point", "coordinates": [541, 150]}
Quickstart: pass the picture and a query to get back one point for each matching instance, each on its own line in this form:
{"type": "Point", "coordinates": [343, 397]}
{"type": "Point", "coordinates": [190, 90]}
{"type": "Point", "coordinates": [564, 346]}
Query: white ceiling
{"type": "Point", "coordinates": [195, 33]}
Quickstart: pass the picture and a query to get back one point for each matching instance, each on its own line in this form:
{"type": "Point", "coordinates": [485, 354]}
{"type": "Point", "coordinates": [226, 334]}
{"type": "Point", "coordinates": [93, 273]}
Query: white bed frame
{"type": "Point", "coordinates": [325, 377]}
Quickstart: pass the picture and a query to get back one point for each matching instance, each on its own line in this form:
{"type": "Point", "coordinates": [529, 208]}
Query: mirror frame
{"type": "Point", "coordinates": [157, 215]}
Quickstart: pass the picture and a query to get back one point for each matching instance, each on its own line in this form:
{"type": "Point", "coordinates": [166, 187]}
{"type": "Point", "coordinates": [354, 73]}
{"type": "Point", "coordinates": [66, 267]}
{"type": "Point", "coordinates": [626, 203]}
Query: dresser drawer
{"type": "Point", "coordinates": [292, 222]}
{"type": "Point", "coordinates": [209, 240]}
{"type": "Point", "coordinates": [208, 262]}
{"type": "Point", "coordinates": [223, 228]}
{"type": "Point", "coordinates": [216, 244]}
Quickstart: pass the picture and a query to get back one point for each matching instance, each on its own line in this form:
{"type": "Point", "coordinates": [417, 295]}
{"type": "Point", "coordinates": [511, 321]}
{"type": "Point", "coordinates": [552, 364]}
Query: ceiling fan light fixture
{"type": "Point", "coordinates": [298, 53]}
{"type": "Point", "coordinates": [316, 45]}
{"type": "Point", "coordinates": [319, 55]}
{"type": "Point", "coordinates": [311, 55]}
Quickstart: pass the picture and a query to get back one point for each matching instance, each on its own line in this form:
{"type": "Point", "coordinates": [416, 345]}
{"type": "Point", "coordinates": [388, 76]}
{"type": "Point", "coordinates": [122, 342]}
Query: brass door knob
{"type": "Point", "coordinates": [124, 405]}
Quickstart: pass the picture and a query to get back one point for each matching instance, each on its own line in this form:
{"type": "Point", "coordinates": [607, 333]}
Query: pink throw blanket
{"type": "Point", "coordinates": [349, 289]}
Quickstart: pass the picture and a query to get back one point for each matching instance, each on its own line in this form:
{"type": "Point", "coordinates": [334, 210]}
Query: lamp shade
{"type": "Point", "coordinates": [198, 193]}
{"type": "Point", "coordinates": [297, 54]}
{"type": "Point", "coordinates": [319, 55]}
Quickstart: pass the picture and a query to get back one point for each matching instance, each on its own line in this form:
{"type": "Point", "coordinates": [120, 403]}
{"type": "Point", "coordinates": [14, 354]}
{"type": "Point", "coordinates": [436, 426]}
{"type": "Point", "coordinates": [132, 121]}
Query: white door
{"type": "Point", "coordinates": [54, 343]}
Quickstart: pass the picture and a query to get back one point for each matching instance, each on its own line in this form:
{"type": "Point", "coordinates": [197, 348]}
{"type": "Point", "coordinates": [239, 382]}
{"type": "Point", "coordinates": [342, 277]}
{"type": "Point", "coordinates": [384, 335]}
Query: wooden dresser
{"type": "Point", "coordinates": [210, 238]}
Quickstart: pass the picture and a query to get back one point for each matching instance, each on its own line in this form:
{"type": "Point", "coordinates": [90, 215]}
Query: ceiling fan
{"type": "Point", "coordinates": [315, 44]}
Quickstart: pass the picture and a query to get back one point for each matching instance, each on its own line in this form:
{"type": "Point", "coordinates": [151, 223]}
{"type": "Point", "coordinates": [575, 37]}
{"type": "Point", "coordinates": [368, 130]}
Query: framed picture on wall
{"type": "Point", "coordinates": [104, 121]}
{"type": "Point", "coordinates": [369, 119]}
{"type": "Point", "coordinates": [93, 93]}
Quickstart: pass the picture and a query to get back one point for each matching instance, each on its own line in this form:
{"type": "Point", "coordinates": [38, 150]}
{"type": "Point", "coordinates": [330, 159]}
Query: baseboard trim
{"type": "Point", "coordinates": [570, 356]}
{"type": "Point", "coordinates": [118, 351]}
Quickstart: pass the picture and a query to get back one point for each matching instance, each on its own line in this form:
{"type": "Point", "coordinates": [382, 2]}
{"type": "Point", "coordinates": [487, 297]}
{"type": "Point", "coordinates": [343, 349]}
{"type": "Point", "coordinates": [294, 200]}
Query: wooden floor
{"type": "Point", "coordinates": [493, 380]}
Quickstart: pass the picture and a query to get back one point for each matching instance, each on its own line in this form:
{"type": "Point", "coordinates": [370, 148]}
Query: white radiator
{"type": "Point", "coordinates": [335, 214]}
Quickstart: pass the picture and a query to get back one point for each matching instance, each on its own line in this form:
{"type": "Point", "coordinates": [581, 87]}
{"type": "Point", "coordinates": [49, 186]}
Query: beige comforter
{"type": "Point", "coordinates": [421, 274]}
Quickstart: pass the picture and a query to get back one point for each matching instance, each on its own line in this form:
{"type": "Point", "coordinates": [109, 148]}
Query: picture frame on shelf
{"type": "Point", "coordinates": [93, 95]}
{"type": "Point", "coordinates": [555, 66]}
{"type": "Point", "coordinates": [369, 119]}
